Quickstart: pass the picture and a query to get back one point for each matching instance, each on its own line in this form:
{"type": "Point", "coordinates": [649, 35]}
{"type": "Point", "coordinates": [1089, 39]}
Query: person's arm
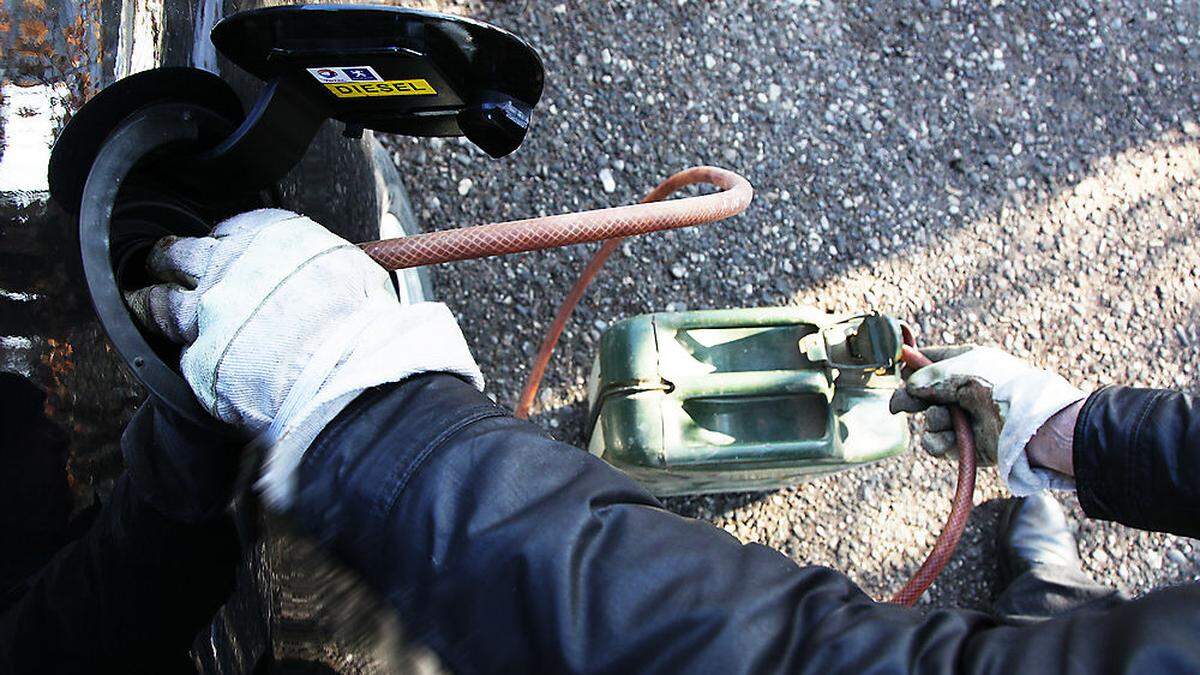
{"type": "Point", "coordinates": [1133, 455]}
{"type": "Point", "coordinates": [507, 551]}
{"type": "Point", "coordinates": [1009, 403]}
{"type": "Point", "coordinates": [1136, 457]}
{"type": "Point", "coordinates": [1050, 447]}
{"type": "Point", "coordinates": [160, 558]}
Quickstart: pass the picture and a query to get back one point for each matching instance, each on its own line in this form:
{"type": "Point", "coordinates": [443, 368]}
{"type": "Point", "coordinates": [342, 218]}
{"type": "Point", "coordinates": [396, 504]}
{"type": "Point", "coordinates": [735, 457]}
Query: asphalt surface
{"type": "Point", "coordinates": [1020, 174]}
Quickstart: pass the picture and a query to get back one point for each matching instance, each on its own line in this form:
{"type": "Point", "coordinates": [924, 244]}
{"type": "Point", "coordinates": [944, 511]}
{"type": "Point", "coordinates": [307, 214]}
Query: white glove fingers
{"type": "Point", "coordinates": [937, 418]}
{"type": "Point", "coordinates": [181, 260]}
{"type": "Point", "coordinates": [987, 366]}
{"type": "Point", "coordinates": [168, 310]}
{"type": "Point", "coordinates": [940, 443]}
{"type": "Point", "coordinates": [984, 364]}
{"type": "Point", "coordinates": [138, 302]}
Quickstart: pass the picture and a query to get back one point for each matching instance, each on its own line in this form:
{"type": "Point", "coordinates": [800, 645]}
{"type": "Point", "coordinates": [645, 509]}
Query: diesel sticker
{"type": "Point", "coordinates": [338, 74]}
{"type": "Point", "coordinates": [386, 88]}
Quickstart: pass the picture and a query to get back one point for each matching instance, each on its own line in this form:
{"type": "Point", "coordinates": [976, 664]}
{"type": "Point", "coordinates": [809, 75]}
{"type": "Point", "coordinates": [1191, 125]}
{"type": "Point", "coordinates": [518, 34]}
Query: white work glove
{"type": "Point", "coordinates": [1007, 400]}
{"type": "Point", "coordinates": [283, 324]}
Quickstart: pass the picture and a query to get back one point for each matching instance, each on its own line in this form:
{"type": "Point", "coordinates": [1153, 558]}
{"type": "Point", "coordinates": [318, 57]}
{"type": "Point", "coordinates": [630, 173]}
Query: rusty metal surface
{"type": "Point", "coordinates": [51, 337]}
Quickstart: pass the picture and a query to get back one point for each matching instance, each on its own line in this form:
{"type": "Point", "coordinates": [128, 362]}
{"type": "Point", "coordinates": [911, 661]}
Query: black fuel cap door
{"type": "Point", "coordinates": [393, 69]}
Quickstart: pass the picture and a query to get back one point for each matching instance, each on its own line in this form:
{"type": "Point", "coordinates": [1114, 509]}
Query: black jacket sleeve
{"type": "Point", "coordinates": [129, 596]}
{"type": "Point", "coordinates": [1137, 459]}
{"type": "Point", "coordinates": [159, 559]}
{"type": "Point", "coordinates": [506, 551]}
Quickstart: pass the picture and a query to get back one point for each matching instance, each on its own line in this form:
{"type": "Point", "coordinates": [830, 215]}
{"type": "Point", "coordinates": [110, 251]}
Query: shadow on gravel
{"type": "Point", "coordinates": [892, 127]}
{"type": "Point", "coordinates": [712, 506]}
{"type": "Point", "coordinates": [973, 567]}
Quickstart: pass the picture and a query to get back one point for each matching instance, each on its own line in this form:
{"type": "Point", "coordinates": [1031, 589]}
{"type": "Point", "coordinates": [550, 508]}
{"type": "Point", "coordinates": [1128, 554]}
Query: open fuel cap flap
{"type": "Point", "coordinates": [394, 70]}
{"type": "Point", "coordinates": [168, 151]}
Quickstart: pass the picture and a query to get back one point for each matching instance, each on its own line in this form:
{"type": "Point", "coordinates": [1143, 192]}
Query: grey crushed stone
{"type": "Point", "coordinates": [1025, 174]}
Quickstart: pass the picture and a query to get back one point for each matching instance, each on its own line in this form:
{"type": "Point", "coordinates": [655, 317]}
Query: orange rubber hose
{"type": "Point", "coordinates": [612, 226]}
{"type": "Point", "coordinates": [538, 371]}
{"type": "Point", "coordinates": [534, 234]}
{"type": "Point", "coordinates": [542, 360]}
{"type": "Point", "coordinates": [960, 505]}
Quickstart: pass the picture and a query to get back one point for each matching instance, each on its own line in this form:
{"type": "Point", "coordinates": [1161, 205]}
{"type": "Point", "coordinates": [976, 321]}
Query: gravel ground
{"type": "Point", "coordinates": [1023, 174]}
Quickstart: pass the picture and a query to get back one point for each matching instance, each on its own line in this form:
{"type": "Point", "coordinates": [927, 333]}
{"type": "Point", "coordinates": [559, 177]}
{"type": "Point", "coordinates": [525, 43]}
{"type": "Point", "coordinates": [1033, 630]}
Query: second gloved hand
{"type": "Point", "coordinates": [284, 323]}
{"type": "Point", "coordinates": [1007, 399]}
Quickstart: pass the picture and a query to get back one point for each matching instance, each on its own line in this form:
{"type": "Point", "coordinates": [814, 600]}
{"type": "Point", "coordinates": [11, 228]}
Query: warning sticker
{"type": "Point", "coordinates": [337, 74]}
{"type": "Point", "coordinates": [386, 88]}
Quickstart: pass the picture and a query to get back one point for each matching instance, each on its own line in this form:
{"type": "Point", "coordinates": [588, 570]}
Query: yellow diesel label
{"type": "Point", "coordinates": [387, 88]}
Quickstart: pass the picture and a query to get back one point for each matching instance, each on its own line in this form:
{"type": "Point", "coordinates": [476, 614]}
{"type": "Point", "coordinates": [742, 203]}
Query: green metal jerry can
{"type": "Point", "coordinates": [744, 399]}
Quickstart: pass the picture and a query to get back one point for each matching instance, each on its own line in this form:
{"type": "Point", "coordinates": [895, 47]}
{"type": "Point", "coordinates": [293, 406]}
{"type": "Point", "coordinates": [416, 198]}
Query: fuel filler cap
{"type": "Point", "coordinates": [393, 69]}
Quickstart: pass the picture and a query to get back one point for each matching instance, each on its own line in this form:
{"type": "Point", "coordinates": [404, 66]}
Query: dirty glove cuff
{"type": "Point", "coordinates": [1007, 399]}
{"type": "Point", "coordinates": [1032, 399]}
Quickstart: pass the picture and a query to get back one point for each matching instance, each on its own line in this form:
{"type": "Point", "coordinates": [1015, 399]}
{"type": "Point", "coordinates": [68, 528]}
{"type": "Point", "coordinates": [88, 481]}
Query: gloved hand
{"type": "Point", "coordinates": [283, 324]}
{"type": "Point", "coordinates": [1007, 400]}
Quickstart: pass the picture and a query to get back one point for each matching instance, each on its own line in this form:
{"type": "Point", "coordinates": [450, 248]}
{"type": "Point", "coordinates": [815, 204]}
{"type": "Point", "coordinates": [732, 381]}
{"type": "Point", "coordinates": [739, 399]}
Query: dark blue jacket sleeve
{"type": "Point", "coordinates": [130, 595]}
{"type": "Point", "coordinates": [127, 597]}
{"type": "Point", "coordinates": [506, 551]}
{"type": "Point", "coordinates": [1137, 459]}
